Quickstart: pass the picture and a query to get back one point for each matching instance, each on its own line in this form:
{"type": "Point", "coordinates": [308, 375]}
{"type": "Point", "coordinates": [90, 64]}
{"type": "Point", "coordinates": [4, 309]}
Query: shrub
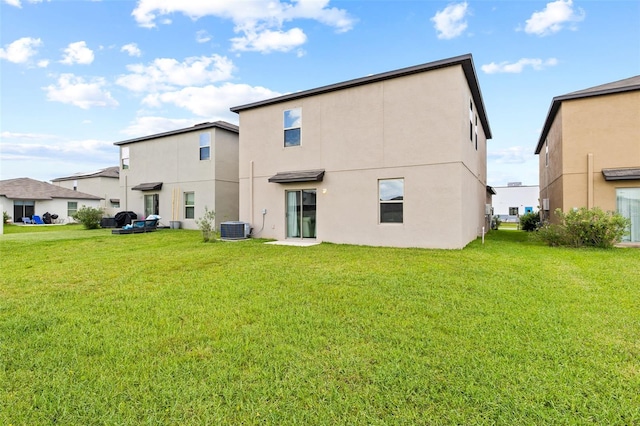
{"type": "Point", "coordinates": [89, 217]}
{"type": "Point", "coordinates": [5, 217]}
{"type": "Point", "coordinates": [586, 227]}
{"type": "Point", "coordinates": [495, 222]}
{"type": "Point", "coordinates": [530, 221]}
{"type": "Point", "coordinates": [206, 224]}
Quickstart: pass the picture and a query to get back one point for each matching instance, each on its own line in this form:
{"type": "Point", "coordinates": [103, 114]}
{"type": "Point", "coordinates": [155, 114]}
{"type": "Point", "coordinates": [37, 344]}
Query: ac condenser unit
{"type": "Point", "coordinates": [234, 230]}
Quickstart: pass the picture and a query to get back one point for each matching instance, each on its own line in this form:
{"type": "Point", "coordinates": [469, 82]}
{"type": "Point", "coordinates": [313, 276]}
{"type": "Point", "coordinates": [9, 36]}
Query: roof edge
{"type": "Point", "coordinates": [208, 125]}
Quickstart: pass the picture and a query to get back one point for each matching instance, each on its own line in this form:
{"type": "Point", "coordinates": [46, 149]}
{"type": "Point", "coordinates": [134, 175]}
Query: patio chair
{"type": "Point", "coordinates": [37, 220]}
{"type": "Point", "coordinates": [26, 220]}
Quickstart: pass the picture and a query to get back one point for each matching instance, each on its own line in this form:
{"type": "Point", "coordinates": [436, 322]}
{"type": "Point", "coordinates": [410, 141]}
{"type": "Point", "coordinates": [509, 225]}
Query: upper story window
{"type": "Point", "coordinates": [292, 125]}
{"type": "Point", "coordinates": [124, 155]}
{"type": "Point", "coordinates": [391, 195]}
{"type": "Point", "coordinates": [205, 146]}
{"type": "Point", "coordinates": [546, 153]}
{"type": "Point", "coordinates": [471, 120]}
{"type": "Point", "coordinates": [476, 129]}
{"type": "Point", "coordinates": [75, 185]}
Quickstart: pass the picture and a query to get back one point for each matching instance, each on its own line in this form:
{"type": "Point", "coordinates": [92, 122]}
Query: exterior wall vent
{"type": "Point", "coordinates": [234, 230]}
{"type": "Point", "coordinates": [545, 204]}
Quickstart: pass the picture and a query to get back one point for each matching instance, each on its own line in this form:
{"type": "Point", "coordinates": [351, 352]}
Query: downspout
{"type": "Point", "coordinates": [251, 192]}
{"type": "Point", "coordinates": [590, 180]}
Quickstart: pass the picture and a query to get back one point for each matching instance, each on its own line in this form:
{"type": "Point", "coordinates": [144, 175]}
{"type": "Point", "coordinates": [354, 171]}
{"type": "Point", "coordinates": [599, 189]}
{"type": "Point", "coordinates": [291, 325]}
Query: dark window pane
{"type": "Point", "coordinates": [204, 153]}
{"type": "Point", "coordinates": [391, 212]}
{"type": "Point", "coordinates": [292, 137]}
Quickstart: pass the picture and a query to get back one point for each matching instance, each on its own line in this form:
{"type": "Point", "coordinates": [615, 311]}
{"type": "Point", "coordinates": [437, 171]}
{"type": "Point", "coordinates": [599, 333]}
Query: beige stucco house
{"type": "Point", "coordinates": [103, 183]}
{"type": "Point", "coordinates": [589, 152]}
{"type": "Point", "coordinates": [177, 174]}
{"type": "Point", "coordinates": [393, 159]}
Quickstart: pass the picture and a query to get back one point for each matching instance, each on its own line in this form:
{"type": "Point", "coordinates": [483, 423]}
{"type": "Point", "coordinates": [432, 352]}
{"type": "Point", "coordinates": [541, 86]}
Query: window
{"type": "Point", "coordinates": [391, 195]}
{"type": "Point", "coordinates": [189, 205]}
{"type": "Point", "coordinates": [124, 155]}
{"type": "Point", "coordinates": [292, 125]}
{"type": "Point", "coordinates": [23, 209]}
{"type": "Point", "coordinates": [513, 211]}
{"type": "Point", "coordinates": [205, 146]}
{"type": "Point", "coordinates": [115, 204]}
{"type": "Point", "coordinates": [151, 204]}
{"type": "Point", "coordinates": [471, 120]}
{"type": "Point", "coordinates": [75, 185]}
{"type": "Point", "coordinates": [476, 128]}
{"type": "Point", "coordinates": [72, 208]}
{"type": "Point", "coordinates": [546, 153]}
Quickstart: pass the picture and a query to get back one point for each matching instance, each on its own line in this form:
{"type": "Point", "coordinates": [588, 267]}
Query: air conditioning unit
{"type": "Point", "coordinates": [488, 210]}
{"type": "Point", "coordinates": [545, 204]}
{"type": "Point", "coordinates": [234, 230]}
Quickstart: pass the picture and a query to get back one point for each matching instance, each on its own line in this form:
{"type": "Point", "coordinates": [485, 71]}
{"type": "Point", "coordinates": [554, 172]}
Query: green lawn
{"type": "Point", "coordinates": [161, 328]}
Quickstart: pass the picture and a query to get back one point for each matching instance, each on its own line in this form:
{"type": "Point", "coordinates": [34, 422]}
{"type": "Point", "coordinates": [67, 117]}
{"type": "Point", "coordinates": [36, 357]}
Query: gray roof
{"type": "Point", "coordinates": [109, 172]}
{"type": "Point", "coordinates": [632, 173]}
{"type": "Point", "coordinates": [198, 127]}
{"type": "Point", "coordinates": [31, 189]}
{"type": "Point", "coordinates": [620, 86]}
{"type": "Point", "coordinates": [466, 61]}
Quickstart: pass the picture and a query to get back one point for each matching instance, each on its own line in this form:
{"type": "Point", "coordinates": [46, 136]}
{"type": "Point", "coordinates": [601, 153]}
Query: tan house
{"type": "Point", "coordinates": [589, 152]}
{"type": "Point", "coordinates": [103, 183]}
{"type": "Point", "coordinates": [393, 159]}
{"type": "Point", "coordinates": [177, 174]}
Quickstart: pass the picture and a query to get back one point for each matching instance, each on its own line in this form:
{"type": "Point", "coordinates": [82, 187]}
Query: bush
{"type": "Point", "coordinates": [206, 224]}
{"type": "Point", "coordinates": [530, 221]}
{"type": "Point", "coordinates": [5, 217]}
{"type": "Point", "coordinates": [495, 222]}
{"type": "Point", "coordinates": [586, 227]}
{"type": "Point", "coordinates": [89, 217]}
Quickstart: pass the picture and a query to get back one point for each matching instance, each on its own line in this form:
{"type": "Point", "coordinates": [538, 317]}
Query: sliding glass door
{"type": "Point", "coordinates": [301, 213]}
{"type": "Point", "coordinates": [628, 205]}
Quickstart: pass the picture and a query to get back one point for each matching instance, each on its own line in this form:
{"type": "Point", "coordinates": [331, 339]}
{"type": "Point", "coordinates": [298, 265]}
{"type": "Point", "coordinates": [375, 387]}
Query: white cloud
{"type": "Point", "coordinates": [450, 22]}
{"type": "Point", "coordinates": [74, 90]}
{"type": "Point", "coordinates": [132, 49]}
{"type": "Point", "coordinates": [518, 67]}
{"type": "Point", "coordinates": [203, 36]}
{"type": "Point", "coordinates": [77, 53]}
{"type": "Point", "coordinates": [18, 3]}
{"type": "Point", "coordinates": [268, 41]}
{"type": "Point", "coordinates": [167, 73]}
{"type": "Point", "coordinates": [21, 50]}
{"type": "Point", "coordinates": [251, 19]}
{"type": "Point", "coordinates": [553, 18]}
{"type": "Point", "coordinates": [150, 125]}
{"type": "Point", "coordinates": [511, 155]}
{"type": "Point", "coordinates": [211, 101]}
{"type": "Point", "coordinates": [43, 63]}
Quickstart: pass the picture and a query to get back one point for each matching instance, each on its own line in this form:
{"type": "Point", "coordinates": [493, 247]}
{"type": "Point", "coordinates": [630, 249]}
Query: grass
{"type": "Point", "coordinates": [161, 328]}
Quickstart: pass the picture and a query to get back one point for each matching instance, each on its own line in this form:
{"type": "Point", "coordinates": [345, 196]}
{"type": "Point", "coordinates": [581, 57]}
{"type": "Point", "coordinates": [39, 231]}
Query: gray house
{"type": "Point", "coordinates": [103, 183]}
{"type": "Point", "coordinates": [24, 197]}
{"type": "Point", "coordinates": [392, 159]}
{"type": "Point", "coordinates": [177, 174]}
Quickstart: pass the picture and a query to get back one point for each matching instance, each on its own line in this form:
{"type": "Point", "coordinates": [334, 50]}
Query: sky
{"type": "Point", "coordinates": [77, 76]}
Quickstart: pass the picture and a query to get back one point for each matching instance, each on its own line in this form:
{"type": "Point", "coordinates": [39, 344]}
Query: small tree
{"type": "Point", "coordinates": [89, 217]}
{"type": "Point", "coordinates": [5, 217]}
{"type": "Point", "coordinates": [206, 224]}
{"type": "Point", "coordinates": [586, 227]}
{"type": "Point", "coordinates": [495, 222]}
{"type": "Point", "coordinates": [530, 221]}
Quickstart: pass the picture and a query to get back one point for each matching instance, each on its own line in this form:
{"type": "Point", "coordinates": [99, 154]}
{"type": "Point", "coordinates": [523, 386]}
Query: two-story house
{"type": "Point", "coordinates": [392, 159]}
{"type": "Point", "coordinates": [589, 152]}
{"type": "Point", "coordinates": [103, 183]}
{"type": "Point", "coordinates": [177, 174]}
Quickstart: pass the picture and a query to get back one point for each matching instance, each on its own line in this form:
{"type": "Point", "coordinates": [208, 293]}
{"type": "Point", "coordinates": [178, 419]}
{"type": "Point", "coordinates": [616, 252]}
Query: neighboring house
{"type": "Point", "coordinates": [103, 183]}
{"type": "Point", "coordinates": [514, 200]}
{"type": "Point", "coordinates": [393, 159]}
{"type": "Point", "coordinates": [177, 174]}
{"type": "Point", "coordinates": [24, 197]}
{"type": "Point", "coordinates": [589, 152]}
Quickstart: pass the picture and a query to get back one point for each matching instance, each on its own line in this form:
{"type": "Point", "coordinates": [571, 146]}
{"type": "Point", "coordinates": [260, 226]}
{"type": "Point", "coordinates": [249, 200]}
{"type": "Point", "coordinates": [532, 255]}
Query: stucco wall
{"type": "Point", "coordinates": [175, 161]}
{"type": "Point", "coordinates": [414, 127]}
